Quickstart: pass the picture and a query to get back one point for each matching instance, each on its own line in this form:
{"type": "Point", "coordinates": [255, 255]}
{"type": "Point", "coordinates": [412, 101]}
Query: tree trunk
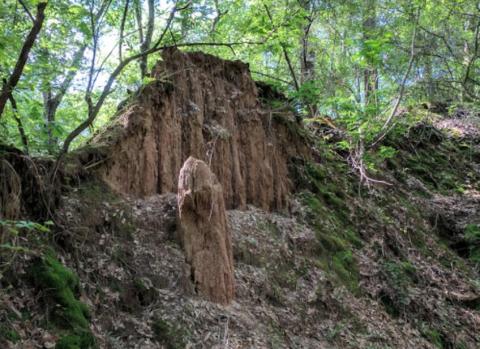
{"type": "Point", "coordinates": [470, 52]}
{"type": "Point", "coordinates": [50, 105]}
{"type": "Point", "coordinates": [307, 55]}
{"type": "Point", "coordinates": [370, 73]}
{"type": "Point", "coordinates": [22, 59]}
{"type": "Point", "coordinates": [429, 79]}
{"type": "Point", "coordinates": [148, 38]}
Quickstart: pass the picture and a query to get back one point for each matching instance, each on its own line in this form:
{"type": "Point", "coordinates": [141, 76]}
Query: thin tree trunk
{"type": "Point", "coordinates": [370, 74]}
{"type": "Point", "coordinates": [429, 79]}
{"type": "Point", "coordinates": [21, 129]}
{"type": "Point", "coordinates": [307, 56]}
{"type": "Point", "coordinates": [122, 28]}
{"type": "Point", "coordinates": [138, 16]}
{"type": "Point", "coordinates": [218, 16]}
{"type": "Point", "coordinates": [469, 61]}
{"type": "Point", "coordinates": [285, 54]}
{"type": "Point", "coordinates": [290, 68]}
{"type": "Point", "coordinates": [148, 38]}
{"type": "Point", "coordinates": [51, 100]}
{"type": "Point", "coordinates": [23, 57]}
{"type": "Point", "coordinates": [49, 110]}
{"type": "Point", "coordinates": [386, 126]}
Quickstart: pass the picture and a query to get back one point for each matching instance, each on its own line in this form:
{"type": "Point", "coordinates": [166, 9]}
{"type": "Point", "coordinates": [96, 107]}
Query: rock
{"type": "Point", "coordinates": [202, 106]}
{"type": "Point", "coordinates": [204, 231]}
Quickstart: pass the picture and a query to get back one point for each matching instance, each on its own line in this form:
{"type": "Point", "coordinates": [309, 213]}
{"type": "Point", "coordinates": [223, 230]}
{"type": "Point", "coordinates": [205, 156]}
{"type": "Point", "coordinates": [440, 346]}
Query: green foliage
{"type": "Point", "coordinates": [440, 163]}
{"type": "Point", "coordinates": [69, 342]}
{"type": "Point", "coordinates": [11, 230]}
{"type": "Point", "coordinates": [15, 227]}
{"type": "Point", "coordinates": [345, 267]}
{"type": "Point", "coordinates": [61, 285]}
{"type": "Point", "coordinates": [386, 152]}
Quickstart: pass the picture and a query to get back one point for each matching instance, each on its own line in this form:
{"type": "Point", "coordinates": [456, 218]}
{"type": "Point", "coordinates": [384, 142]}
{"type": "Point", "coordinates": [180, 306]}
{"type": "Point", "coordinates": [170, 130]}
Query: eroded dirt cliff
{"type": "Point", "coordinates": [202, 106]}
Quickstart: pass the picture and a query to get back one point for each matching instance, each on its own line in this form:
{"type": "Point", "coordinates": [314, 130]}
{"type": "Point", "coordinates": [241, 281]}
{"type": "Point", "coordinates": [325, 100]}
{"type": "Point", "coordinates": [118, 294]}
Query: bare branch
{"type": "Point", "coordinates": [271, 77]}
{"type": "Point", "coordinates": [26, 10]}
{"type": "Point", "coordinates": [217, 18]}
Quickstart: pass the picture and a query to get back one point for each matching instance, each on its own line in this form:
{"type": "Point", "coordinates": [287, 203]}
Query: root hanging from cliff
{"type": "Point", "coordinates": [10, 191]}
{"type": "Point", "coordinates": [26, 189]}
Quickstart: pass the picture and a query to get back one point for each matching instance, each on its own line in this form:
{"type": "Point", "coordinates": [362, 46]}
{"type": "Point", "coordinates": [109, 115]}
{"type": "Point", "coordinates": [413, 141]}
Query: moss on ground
{"type": "Point", "coordinates": [9, 334]}
{"type": "Point", "coordinates": [399, 276]}
{"type": "Point", "coordinates": [442, 167]}
{"type": "Point", "coordinates": [433, 336]}
{"type": "Point", "coordinates": [61, 286]}
{"type": "Point", "coordinates": [293, 127]}
{"type": "Point", "coordinates": [328, 189]}
{"type": "Point", "coordinates": [472, 238]}
{"type": "Point", "coordinates": [169, 335]}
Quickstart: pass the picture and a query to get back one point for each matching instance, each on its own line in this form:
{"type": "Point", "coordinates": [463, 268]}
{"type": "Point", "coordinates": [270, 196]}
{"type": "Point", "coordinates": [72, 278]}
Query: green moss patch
{"type": "Point", "coordinates": [61, 286]}
{"type": "Point", "coordinates": [336, 240]}
{"type": "Point", "coordinates": [399, 277]}
{"type": "Point", "coordinates": [171, 336]}
{"type": "Point", "coordinates": [345, 267]}
{"type": "Point", "coordinates": [328, 191]}
{"type": "Point", "coordinates": [8, 334]}
{"type": "Point", "coordinates": [472, 238]}
{"type": "Point", "coordinates": [442, 166]}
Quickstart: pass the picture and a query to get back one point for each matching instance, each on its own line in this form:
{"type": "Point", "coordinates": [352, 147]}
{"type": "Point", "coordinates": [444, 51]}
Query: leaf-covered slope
{"type": "Point", "coordinates": [349, 266]}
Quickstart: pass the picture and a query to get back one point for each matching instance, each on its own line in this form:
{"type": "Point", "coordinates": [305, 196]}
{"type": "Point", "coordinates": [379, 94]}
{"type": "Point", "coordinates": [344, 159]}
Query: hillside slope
{"type": "Point", "coordinates": [329, 264]}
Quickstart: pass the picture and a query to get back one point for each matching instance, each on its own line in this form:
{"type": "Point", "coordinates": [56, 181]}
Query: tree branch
{"type": "Point", "coordinates": [218, 16]}
{"type": "Point", "coordinates": [27, 10]}
{"type": "Point", "coordinates": [21, 129]}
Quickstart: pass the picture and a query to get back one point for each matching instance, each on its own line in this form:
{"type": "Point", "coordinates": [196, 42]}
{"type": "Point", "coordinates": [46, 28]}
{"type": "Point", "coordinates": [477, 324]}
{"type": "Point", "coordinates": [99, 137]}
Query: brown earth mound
{"type": "Point", "coordinates": [208, 108]}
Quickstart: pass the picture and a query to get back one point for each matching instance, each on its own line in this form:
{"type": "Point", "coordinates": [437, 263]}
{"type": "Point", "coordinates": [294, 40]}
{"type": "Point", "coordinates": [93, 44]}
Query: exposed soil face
{"type": "Point", "coordinates": [202, 106]}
